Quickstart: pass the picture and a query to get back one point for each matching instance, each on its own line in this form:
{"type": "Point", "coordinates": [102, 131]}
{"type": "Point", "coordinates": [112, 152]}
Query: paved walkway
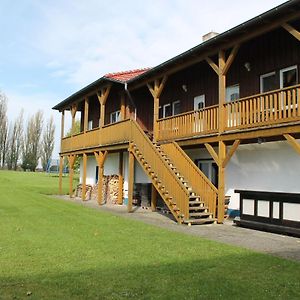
{"type": "Point", "coordinates": [274, 244]}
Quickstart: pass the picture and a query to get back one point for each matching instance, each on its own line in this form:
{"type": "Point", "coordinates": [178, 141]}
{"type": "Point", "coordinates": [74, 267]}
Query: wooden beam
{"type": "Point", "coordinates": [221, 183]}
{"type": "Point", "coordinates": [83, 194]}
{"type": "Point", "coordinates": [123, 110]}
{"type": "Point", "coordinates": [212, 64]}
{"type": "Point", "coordinates": [61, 165]}
{"type": "Point", "coordinates": [102, 97]}
{"type": "Point", "coordinates": [161, 86]}
{"type": "Point", "coordinates": [121, 177]}
{"type": "Point", "coordinates": [62, 128]}
{"type": "Point", "coordinates": [230, 59]}
{"type": "Point", "coordinates": [151, 89]}
{"type": "Point", "coordinates": [73, 111]}
{"type": "Point", "coordinates": [153, 198]}
{"type": "Point", "coordinates": [71, 161]}
{"type": "Point", "coordinates": [212, 152]}
{"type": "Point", "coordinates": [86, 114]}
{"type": "Point", "coordinates": [293, 142]}
{"type": "Point", "coordinates": [222, 91]}
{"type": "Point", "coordinates": [100, 158]}
{"type": "Point", "coordinates": [231, 152]}
{"type": "Point", "coordinates": [294, 32]}
{"type": "Point", "coordinates": [130, 181]}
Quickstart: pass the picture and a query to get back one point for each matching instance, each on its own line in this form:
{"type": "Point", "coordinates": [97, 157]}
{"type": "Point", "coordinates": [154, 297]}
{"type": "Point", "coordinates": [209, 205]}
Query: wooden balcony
{"type": "Point", "coordinates": [275, 107]}
{"type": "Point", "coordinates": [116, 133]}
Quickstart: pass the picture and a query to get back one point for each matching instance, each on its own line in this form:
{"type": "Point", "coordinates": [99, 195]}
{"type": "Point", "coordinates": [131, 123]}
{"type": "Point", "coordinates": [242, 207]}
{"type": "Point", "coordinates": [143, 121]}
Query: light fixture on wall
{"type": "Point", "coordinates": [184, 87]}
{"type": "Point", "coordinates": [247, 66]}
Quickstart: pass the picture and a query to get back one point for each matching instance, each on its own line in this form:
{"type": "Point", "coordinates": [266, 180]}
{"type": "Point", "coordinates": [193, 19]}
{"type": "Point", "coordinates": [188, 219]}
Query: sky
{"type": "Point", "coordinates": [50, 49]}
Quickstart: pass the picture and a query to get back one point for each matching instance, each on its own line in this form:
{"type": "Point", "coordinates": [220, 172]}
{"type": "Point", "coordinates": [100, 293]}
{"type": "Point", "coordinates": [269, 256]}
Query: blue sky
{"type": "Point", "coordinates": [51, 49]}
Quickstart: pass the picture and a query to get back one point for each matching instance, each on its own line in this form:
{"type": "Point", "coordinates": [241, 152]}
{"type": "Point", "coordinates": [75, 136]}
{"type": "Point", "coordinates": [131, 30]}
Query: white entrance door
{"type": "Point", "coordinates": [199, 103]}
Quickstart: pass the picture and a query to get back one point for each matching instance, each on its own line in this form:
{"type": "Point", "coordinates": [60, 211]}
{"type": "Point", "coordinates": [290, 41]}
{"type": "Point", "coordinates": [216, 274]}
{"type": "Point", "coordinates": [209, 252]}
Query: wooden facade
{"type": "Point", "coordinates": [147, 114]}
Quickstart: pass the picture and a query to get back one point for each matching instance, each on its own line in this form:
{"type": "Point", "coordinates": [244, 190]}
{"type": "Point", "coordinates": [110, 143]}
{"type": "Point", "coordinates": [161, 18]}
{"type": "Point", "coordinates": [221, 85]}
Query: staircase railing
{"type": "Point", "coordinates": [202, 186]}
{"type": "Point", "coordinates": [175, 188]}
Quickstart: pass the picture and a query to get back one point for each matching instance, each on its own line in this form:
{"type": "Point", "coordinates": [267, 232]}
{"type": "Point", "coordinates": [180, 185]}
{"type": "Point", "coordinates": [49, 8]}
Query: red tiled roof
{"type": "Point", "coordinates": [126, 75]}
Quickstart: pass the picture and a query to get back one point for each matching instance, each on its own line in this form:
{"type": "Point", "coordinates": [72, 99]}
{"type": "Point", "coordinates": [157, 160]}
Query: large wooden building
{"type": "Point", "coordinates": [220, 117]}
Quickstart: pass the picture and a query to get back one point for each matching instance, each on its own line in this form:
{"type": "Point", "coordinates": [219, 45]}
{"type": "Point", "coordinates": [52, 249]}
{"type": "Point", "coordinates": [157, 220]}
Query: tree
{"type": "Point", "coordinates": [15, 141]}
{"type": "Point", "coordinates": [48, 143]}
{"type": "Point", "coordinates": [31, 144]}
{"type": "Point", "coordinates": [3, 128]}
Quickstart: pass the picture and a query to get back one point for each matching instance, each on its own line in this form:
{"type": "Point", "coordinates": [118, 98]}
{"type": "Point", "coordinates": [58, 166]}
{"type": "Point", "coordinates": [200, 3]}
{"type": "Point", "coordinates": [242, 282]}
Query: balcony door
{"type": "Point", "coordinates": [199, 103]}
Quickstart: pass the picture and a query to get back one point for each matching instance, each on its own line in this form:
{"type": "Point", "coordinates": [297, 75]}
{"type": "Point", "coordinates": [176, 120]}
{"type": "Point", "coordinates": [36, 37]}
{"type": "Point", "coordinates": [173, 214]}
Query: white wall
{"type": "Point", "coordinates": [271, 166]}
{"type": "Point", "coordinates": [90, 170]}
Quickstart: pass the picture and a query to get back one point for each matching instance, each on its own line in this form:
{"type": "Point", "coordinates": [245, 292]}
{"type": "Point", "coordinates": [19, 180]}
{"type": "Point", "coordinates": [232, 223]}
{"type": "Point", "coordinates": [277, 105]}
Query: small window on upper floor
{"type": "Point", "coordinates": [167, 110]}
{"type": "Point", "coordinates": [115, 116]}
{"type": "Point", "coordinates": [288, 77]}
{"type": "Point", "coordinates": [176, 108]}
{"type": "Point", "coordinates": [90, 125]}
{"type": "Point", "coordinates": [268, 82]}
{"type": "Point", "coordinates": [232, 92]}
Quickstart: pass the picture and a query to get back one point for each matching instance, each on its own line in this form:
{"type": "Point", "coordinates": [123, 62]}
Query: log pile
{"type": "Point", "coordinates": [89, 189]}
{"type": "Point", "coordinates": [110, 190]}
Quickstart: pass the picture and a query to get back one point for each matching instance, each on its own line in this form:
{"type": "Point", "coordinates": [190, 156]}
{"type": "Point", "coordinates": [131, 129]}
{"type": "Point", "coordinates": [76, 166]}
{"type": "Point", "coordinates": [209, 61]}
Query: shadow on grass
{"type": "Point", "coordinates": [240, 276]}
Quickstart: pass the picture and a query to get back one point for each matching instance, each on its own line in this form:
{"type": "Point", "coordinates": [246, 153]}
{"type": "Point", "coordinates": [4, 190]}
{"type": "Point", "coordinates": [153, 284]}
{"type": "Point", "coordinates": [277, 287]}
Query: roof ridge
{"type": "Point", "coordinates": [127, 72]}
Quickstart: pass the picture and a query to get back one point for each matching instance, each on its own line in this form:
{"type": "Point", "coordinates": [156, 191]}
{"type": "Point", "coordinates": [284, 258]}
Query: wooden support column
{"type": "Point", "coordinates": [86, 114]}
{"type": "Point", "coordinates": [293, 31]}
{"type": "Point", "coordinates": [156, 91]}
{"type": "Point", "coordinates": [121, 177]}
{"type": "Point", "coordinates": [153, 198]}
{"type": "Point", "coordinates": [73, 113]}
{"type": "Point", "coordinates": [102, 97]}
{"type": "Point", "coordinates": [293, 142]}
{"type": "Point", "coordinates": [222, 91]}
{"type": "Point", "coordinates": [71, 161]}
{"type": "Point", "coordinates": [221, 182]}
{"type": "Point", "coordinates": [61, 165]}
{"type": "Point", "coordinates": [62, 128]}
{"type": "Point", "coordinates": [130, 181]}
{"type": "Point", "coordinates": [84, 157]}
{"type": "Point", "coordinates": [123, 108]}
{"type": "Point", "coordinates": [100, 158]}
{"type": "Point", "coordinates": [231, 152]}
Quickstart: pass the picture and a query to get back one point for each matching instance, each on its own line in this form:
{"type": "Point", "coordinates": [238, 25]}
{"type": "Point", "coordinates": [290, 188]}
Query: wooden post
{"type": "Point", "coordinates": [84, 177]}
{"type": "Point", "coordinates": [222, 91]}
{"type": "Point", "coordinates": [130, 181]}
{"type": "Point", "coordinates": [292, 142]}
{"type": "Point", "coordinates": [156, 91]}
{"type": "Point", "coordinates": [61, 165]}
{"type": "Point", "coordinates": [62, 129]}
{"type": "Point", "coordinates": [123, 112]}
{"type": "Point", "coordinates": [102, 97]}
{"type": "Point", "coordinates": [100, 157]}
{"type": "Point", "coordinates": [153, 198]}
{"type": "Point", "coordinates": [120, 190]}
{"type": "Point", "coordinates": [86, 114]}
{"type": "Point", "coordinates": [221, 182]}
{"type": "Point", "coordinates": [73, 113]}
{"type": "Point", "coordinates": [71, 160]}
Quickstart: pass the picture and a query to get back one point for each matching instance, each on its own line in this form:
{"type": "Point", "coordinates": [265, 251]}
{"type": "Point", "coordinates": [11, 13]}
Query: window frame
{"type": "Point", "coordinates": [294, 67]}
{"type": "Point", "coordinates": [117, 113]}
{"type": "Point", "coordinates": [264, 76]}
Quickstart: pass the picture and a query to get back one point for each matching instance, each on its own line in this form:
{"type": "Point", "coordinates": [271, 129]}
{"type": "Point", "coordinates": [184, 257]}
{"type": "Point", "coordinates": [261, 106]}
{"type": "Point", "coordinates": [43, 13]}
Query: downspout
{"type": "Point", "coordinates": [131, 100]}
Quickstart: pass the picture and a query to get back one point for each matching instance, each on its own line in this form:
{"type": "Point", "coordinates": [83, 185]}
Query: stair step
{"type": "Point", "coordinates": [199, 221]}
{"type": "Point", "coordinates": [198, 208]}
{"type": "Point", "coordinates": [200, 214]}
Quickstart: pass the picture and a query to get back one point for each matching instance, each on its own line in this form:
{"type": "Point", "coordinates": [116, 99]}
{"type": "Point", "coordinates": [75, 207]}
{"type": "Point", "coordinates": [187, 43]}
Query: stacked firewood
{"type": "Point", "coordinates": [110, 190]}
{"type": "Point", "coordinates": [88, 193]}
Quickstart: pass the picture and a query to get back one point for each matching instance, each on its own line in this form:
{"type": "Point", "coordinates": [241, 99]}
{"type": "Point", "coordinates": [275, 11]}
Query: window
{"type": "Point", "coordinates": [288, 77]}
{"type": "Point", "coordinates": [199, 102]}
{"type": "Point", "coordinates": [115, 116]}
{"type": "Point", "coordinates": [232, 92]}
{"type": "Point", "coordinates": [167, 110]}
{"type": "Point", "coordinates": [209, 168]}
{"type": "Point", "coordinates": [160, 112]}
{"type": "Point", "coordinates": [268, 82]}
{"type": "Point", "coordinates": [176, 108]}
{"type": "Point", "coordinates": [90, 125]}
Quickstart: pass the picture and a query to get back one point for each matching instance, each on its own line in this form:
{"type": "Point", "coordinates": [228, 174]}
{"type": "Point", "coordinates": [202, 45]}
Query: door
{"type": "Point", "coordinates": [199, 103]}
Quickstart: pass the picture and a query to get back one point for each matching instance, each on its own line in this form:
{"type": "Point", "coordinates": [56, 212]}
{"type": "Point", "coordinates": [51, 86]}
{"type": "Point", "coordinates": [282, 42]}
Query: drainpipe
{"type": "Point", "coordinates": [131, 100]}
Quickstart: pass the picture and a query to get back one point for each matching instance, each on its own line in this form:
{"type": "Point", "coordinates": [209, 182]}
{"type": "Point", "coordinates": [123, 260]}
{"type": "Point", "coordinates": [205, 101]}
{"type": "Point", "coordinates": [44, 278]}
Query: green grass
{"type": "Point", "coordinates": [60, 250]}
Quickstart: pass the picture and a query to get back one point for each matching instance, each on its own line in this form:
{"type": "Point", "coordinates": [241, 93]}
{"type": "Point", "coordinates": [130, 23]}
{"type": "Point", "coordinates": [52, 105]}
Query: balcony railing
{"type": "Point", "coordinates": [109, 134]}
{"type": "Point", "coordinates": [279, 106]}
{"type": "Point", "coordinates": [199, 122]}
{"type": "Point", "coordinates": [269, 108]}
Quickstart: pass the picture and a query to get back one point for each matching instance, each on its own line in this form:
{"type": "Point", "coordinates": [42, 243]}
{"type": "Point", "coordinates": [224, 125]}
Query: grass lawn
{"type": "Point", "coordinates": [60, 250]}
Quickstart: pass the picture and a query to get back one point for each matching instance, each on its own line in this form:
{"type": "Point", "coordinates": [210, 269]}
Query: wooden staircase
{"type": "Point", "coordinates": [186, 205]}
